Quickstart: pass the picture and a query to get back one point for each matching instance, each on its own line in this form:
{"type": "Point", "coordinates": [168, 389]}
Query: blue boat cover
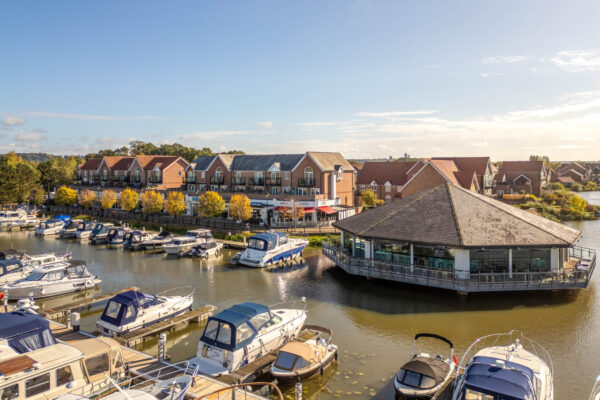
{"type": "Point", "coordinates": [514, 380]}
{"type": "Point", "coordinates": [63, 218]}
{"type": "Point", "coordinates": [25, 332]}
{"type": "Point", "coordinates": [137, 300]}
{"type": "Point", "coordinates": [7, 262]}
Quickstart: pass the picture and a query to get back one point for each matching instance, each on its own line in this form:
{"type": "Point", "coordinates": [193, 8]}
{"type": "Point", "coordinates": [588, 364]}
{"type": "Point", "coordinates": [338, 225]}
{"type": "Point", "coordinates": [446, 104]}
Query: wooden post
{"type": "Point", "coordinates": [510, 274]}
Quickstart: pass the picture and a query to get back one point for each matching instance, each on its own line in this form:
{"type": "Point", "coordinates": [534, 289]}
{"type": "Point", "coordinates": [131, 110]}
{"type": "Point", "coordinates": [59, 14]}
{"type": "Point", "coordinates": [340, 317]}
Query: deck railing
{"type": "Point", "coordinates": [465, 281]}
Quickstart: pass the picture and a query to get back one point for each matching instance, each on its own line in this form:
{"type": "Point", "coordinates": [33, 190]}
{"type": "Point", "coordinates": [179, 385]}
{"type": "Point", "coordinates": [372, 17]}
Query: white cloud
{"type": "Point", "coordinates": [484, 75]}
{"type": "Point", "coordinates": [317, 124]}
{"type": "Point", "coordinates": [205, 135]}
{"type": "Point", "coordinates": [33, 136]}
{"type": "Point", "coordinates": [11, 120]}
{"type": "Point", "coordinates": [388, 114]}
{"type": "Point", "coordinates": [265, 124]}
{"type": "Point", "coordinates": [577, 60]}
{"type": "Point", "coordinates": [89, 117]}
{"type": "Point", "coordinates": [503, 59]}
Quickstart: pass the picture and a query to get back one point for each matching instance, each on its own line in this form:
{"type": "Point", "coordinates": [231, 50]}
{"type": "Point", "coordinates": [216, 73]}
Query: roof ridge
{"type": "Point", "coordinates": [456, 222]}
{"type": "Point", "coordinates": [516, 215]}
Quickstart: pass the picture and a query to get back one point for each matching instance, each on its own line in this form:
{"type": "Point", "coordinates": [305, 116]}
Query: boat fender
{"type": "Point", "coordinates": [89, 283]}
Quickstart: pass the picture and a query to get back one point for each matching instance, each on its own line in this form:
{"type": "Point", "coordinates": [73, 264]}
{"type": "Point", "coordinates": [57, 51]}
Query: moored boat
{"type": "Point", "coordinates": [100, 233]}
{"type": "Point", "coordinates": [595, 395]}
{"type": "Point", "coordinates": [68, 231]}
{"type": "Point", "coordinates": [52, 280]}
{"type": "Point", "coordinates": [424, 375]}
{"type": "Point", "coordinates": [84, 230]}
{"type": "Point", "coordinates": [157, 241]}
{"type": "Point", "coordinates": [116, 236]}
{"type": "Point", "coordinates": [245, 332]}
{"type": "Point", "coordinates": [270, 248]}
{"type": "Point", "coordinates": [50, 227]}
{"type": "Point", "coordinates": [298, 361]}
{"type": "Point", "coordinates": [183, 244]}
{"type": "Point", "coordinates": [22, 332]}
{"type": "Point", "coordinates": [505, 366]}
{"type": "Point", "coordinates": [133, 310]}
{"type": "Point", "coordinates": [133, 240]}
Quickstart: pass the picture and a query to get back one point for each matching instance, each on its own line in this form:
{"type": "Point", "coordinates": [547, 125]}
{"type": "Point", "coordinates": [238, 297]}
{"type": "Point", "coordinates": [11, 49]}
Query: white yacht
{"type": "Point", "coordinates": [100, 233]}
{"type": "Point", "coordinates": [84, 366]}
{"type": "Point", "coordinates": [18, 217]}
{"type": "Point", "coordinates": [52, 280]}
{"type": "Point", "coordinates": [133, 240]}
{"type": "Point", "coordinates": [39, 260]}
{"type": "Point", "coordinates": [50, 227]}
{"type": "Point", "coordinates": [157, 241]}
{"type": "Point", "coordinates": [13, 270]}
{"type": "Point", "coordinates": [270, 248]}
{"type": "Point", "coordinates": [84, 230]}
{"type": "Point", "coordinates": [245, 332]}
{"type": "Point", "coordinates": [504, 366]}
{"type": "Point", "coordinates": [116, 236]}
{"type": "Point", "coordinates": [205, 250]}
{"type": "Point", "coordinates": [132, 310]}
{"type": "Point", "coordinates": [180, 245]}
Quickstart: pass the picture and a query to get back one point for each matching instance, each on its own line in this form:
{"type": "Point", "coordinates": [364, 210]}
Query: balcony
{"type": "Point", "coordinates": [303, 182]}
{"type": "Point", "coordinates": [190, 179]}
{"type": "Point", "coordinates": [576, 277]}
{"type": "Point", "coordinates": [256, 181]}
{"type": "Point", "coordinates": [217, 180]}
{"type": "Point", "coordinates": [273, 181]}
{"type": "Point", "coordinates": [240, 181]}
{"type": "Point", "coordinates": [155, 179]}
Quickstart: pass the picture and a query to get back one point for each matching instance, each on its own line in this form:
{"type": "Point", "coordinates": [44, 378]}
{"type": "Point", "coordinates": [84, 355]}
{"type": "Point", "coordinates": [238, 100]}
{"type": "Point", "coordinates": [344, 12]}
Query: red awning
{"type": "Point", "coordinates": [309, 209]}
{"type": "Point", "coordinates": [279, 208]}
{"type": "Point", "coordinates": [327, 210]}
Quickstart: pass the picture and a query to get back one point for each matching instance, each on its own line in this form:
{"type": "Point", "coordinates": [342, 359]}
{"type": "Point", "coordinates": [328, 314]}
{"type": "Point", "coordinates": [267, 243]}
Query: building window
{"type": "Point", "coordinates": [301, 191]}
{"type": "Point", "coordinates": [203, 174]}
{"type": "Point", "coordinates": [362, 188]}
{"type": "Point", "coordinates": [388, 187]}
{"type": "Point", "coordinates": [191, 188]}
{"type": "Point", "coordinates": [374, 187]}
{"type": "Point", "coordinates": [309, 175]}
{"type": "Point", "coordinates": [274, 190]}
{"type": "Point", "coordinates": [218, 173]}
{"type": "Point", "coordinates": [105, 174]}
{"type": "Point", "coordinates": [116, 174]}
{"type": "Point", "coordinates": [287, 175]}
{"type": "Point", "coordinates": [179, 172]}
{"type": "Point", "coordinates": [388, 199]}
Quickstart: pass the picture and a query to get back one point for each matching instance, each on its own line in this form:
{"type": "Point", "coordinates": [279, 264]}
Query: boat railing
{"type": "Point", "coordinates": [293, 304]}
{"type": "Point", "coordinates": [231, 391]}
{"type": "Point", "coordinates": [595, 395]}
{"type": "Point", "coordinates": [165, 292]}
{"type": "Point", "coordinates": [320, 329]}
{"type": "Point", "coordinates": [499, 339]}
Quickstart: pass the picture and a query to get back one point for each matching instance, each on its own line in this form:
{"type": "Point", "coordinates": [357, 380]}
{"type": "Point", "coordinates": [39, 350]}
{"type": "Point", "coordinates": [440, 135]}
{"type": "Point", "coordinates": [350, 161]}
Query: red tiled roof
{"type": "Point", "coordinates": [149, 162]}
{"type": "Point", "coordinates": [122, 164]}
{"type": "Point", "coordinates": [465, 178]}
{"type": "Point", "coordinates": [92, 164]}
{"type": "Point", "coordinates": [475, 164]}
{"type": "Point", "coordinates": [522, 166]}
{"type": "Point", "coordinates": [394, 172]}
{"type": "Point", "coordinates": [448, 168]}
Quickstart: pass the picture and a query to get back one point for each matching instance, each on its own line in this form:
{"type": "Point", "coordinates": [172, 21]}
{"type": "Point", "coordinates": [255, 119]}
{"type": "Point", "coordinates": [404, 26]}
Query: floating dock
{"type": "Point", "coordinates": [231, 244]}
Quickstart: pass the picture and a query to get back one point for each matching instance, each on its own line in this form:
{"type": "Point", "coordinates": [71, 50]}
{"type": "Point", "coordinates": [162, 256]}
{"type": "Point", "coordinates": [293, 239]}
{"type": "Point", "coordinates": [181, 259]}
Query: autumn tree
{"type": "Point", "coordinates": [175, 203]}
{"type": "Point", "coordinates": [57, 171]}
{"type": "Point", "coordinates": [65, 196]}
{"type": "Point", "coordinates": [108, 199]}
{"type": "Point", "coordinates": [86, 198]}
{"type": "Point", "coordinates": [239, 207]}
{"type": "Point", "coordinates": [129, 199]}
{"type": "Point", "coordinates": [152, 202]}
{"type": "Point", "coordinates": [210, 204]}
{"type": "Point", "coordinates": [369, 199]}
{"type": "Point", "coordinates": [18, 179]}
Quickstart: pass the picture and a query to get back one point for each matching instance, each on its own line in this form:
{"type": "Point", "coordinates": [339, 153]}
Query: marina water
{"type": "Point", "coordinates": [373, 322]}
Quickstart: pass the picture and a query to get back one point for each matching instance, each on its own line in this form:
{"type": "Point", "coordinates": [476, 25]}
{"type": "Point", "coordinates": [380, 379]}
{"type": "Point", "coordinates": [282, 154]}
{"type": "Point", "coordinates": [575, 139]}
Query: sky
{"type": "Point", "coordinates": [369, 79]}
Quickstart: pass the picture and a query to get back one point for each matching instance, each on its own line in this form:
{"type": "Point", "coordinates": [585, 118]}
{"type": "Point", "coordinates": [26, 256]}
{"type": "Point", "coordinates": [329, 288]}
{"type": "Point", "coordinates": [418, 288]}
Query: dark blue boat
{"type": "Point", "coordinates": [25, 332]}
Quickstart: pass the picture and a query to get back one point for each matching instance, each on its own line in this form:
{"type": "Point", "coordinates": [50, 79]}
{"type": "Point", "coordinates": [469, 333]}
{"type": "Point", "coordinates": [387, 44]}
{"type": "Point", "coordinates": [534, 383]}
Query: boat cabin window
{"type": "Point", "coordinates": [257, 244]}
{"type": "Point", "coordinates": [416, 380]}
{"type": "Point", "coordinates": [243, 333]}
{"type": "Point", "coordinates": [130, 313]}
{"type": "Point", "coordinates": [258, 321]}
{"type": "Point", "coordinates": [218, 331]}
{"type": "Point", "coordinates": [9, 393]}
{"type": "Point", "coordinates": [471, 394]}
{"type": "Point", "coordinates": [55, 275]}
{"type": "Point", "coordinates": [64, 376]}
{"type": "Point", "coordinates": [112, 310]}
{"type": "Point", "coordinates": [224, 335]}
{"type": "Point", "coordinates": [97, 365]}
{"type": "Point", "coordinates": [290, 362]}
{"type": "Point", "coordinates": [10, 268]}
{"type": "Point", "coordinates": [48, 260]}
{"type": "Point", "coordinates": [210, 332]}
{"type": "Point", "coordinates": [37, 385]}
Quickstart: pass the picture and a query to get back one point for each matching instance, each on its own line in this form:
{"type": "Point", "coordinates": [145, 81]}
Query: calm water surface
{"type": "Point", "coordinates": [373, 322]}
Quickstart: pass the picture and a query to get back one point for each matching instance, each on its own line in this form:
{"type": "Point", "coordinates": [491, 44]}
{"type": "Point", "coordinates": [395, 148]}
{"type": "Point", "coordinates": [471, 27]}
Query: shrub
{"type": "Point", "coordinates": [557, 186]}
{"type": "Point", "coordinates": [576, 187]}
{"type": "Point", "coordinates": [549, 198]}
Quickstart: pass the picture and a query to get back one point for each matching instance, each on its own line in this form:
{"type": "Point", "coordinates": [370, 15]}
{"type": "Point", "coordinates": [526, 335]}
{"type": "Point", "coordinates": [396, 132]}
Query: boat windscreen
{"type": "Point", "coordinates": [257, 244]}
{"type": "Point", "coordinates": [285, 361]}
{"type": "Point", "coordinates": [35, 276]}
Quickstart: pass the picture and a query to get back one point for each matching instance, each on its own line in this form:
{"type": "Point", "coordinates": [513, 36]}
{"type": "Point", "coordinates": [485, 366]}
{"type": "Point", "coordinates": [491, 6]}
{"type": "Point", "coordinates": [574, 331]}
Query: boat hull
{"type": "Point", "coordinates": [274, 257]}
{"type": "Point", "coordinates": [406, 392]}
{"type": "Point", "coordinates": [18, 292]}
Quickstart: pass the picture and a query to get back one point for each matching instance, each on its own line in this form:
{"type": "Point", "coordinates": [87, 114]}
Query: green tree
{"type": "Point", "coordinates": [57, 171]}
{"type": "Point", "coordinates": [211, 204]}
{"type": "Point", "coordinates": [240, 208]}
{"type": "Point", "coordinates": [152, 202]}
{"type": "Point", "coordinates": [129, 199]}
{"type": "Point", "coordinates": [18, 179]}
{"type": "Point", "coordinates": [65, 196]}
{"type": "Point", "coordinates": [175, 203]}
{"type": "Point", "coordinates": [369, 199]}
{"type": "Point", "coordinates": [108, 199]}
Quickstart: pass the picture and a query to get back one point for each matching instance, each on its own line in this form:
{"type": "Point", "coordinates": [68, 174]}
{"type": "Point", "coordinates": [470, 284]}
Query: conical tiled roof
{"type": "Point", "coordinates": [452, 216]}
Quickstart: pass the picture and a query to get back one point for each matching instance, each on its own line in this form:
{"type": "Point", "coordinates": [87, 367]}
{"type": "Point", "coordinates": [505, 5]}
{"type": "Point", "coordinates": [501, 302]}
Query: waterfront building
{"type": "Point", "coordinates": [321, 183]}
{"type": "Point", "coordinates": [452, 238]}
{"type": "Point", "coordinates": [530, 177]}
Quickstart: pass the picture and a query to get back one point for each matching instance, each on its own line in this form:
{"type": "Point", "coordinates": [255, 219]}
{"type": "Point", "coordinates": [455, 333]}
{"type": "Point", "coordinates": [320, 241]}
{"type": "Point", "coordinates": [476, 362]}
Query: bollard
{"type": "Point", "coordinates": [162, 347]}
{"type": "Point", "coordinates": [298, 393]}
{"type": "Point", "coordinates": [75, 321]}
{"type": "Point", "coordinates": [68, 318]}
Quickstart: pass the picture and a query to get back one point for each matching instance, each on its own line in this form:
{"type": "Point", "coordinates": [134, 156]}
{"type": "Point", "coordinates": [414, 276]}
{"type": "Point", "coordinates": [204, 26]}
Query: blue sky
{"type": "Point", "coordinates": [366, 78]}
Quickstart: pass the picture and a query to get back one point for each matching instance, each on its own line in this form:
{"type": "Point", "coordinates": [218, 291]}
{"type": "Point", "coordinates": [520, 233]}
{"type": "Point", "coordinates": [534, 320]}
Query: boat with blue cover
{"type": "Point", "coordinates": [245, 332]}
{"type": "Point", "coordinates": [505, 366]}
{"type": "Point", "coordinates": [22, 332]}
{"type": "Point", "coordinates": [270, 248]}
{"type": "Point", "coordinates": [132, 310]}
{"type": "Point", "coordinates": [100, 233]}
{"type": "Point", "coordinates": [50, 227]}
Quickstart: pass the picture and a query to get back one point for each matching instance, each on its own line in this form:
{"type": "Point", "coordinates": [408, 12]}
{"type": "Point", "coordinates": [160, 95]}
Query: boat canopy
{"type": "Point", "coordinates": [434, 368]}
{"type": "Point", "coordinates": [295, 356]}
{"type": "Point", "coordinates": [63, 218]}
{"type": "Point", "coordinates": [51, 223]}
{"type": "Point", "coordinates": [514, 380]}
{"type": "Point", "coordinates": [267, 240]}
{"type": "Point", "coordinates": [11, 253]}
{"type": "Point", "coordinates": [25, 332]}
{"type": "Point", "coordinates": [9, 265]}
{"type": "Point", "coordinates": [233, 328]}
{"type": "Point", "coordinates": [123, 308]}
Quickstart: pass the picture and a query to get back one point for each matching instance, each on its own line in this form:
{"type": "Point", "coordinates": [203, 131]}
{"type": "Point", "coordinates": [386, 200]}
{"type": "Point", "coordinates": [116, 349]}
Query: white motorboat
{"type": "Point", "coordinates": [298, 361]}
{"type": "Point", "coordinates": [84, 230]}
{"type": "Point", "coordinates": [11, 254]}
{"type": "Point", "coordinates": [505, 366]}
{"type": "Point", "coordinates": [205, 250]}
{"type": "Point", "coordinates": [133, 310]}
{"type": "Point", "coordinates": [270, 248]}
{"type": "Point", "coordinates": [22, 332]}
{"type": "Point", "coordinates": [100, 233]}
{"type": "Point", "coordinates": [425, 375]}
{"type": "Point", "coordinates": [18, 217]}
{"type": "Point", "coordinates": [39, 260]}
{"type": "Point", "coordinates": [157, 241]}
{"type": "Point", "coordinates": [48, 372]}
{"type": "Point", "coordinates": [180, 245]}
{"type": "Point", "coordinates": [245, 332]}
{"type": "Point", "coordinates": [68, 231]}
{"type": "Point", "coordinates": [52, 280]}
{"type": "Point", "coordinates": [116, 236]}
{"type": "Point", "coordinates": [133, 240]}
{"type": "Point", "coordinates": [50, 227]}
{"type": "Point", "coordinates": [13, 270]}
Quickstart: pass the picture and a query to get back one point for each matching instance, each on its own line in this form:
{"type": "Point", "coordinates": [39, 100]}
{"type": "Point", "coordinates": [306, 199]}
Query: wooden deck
{"type": "Point", "coordinates": [138, 337]}
{"type": "Point", "coordinates": [58, 313]}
